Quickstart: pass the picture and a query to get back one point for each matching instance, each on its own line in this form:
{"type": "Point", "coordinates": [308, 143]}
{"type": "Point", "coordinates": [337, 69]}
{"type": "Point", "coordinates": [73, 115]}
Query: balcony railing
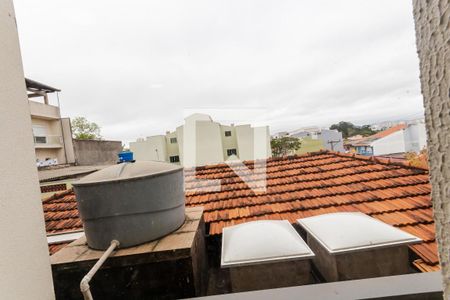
{"type": "Point", "coordinates": [48, 141]}
{"type": "Point", "coordinates": [44, 111]}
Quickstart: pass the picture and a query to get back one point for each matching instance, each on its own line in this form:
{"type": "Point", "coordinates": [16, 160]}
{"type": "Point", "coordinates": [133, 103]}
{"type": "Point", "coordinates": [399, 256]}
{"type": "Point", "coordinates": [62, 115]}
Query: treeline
{"type": "Point", "coordinates": [349, 129]}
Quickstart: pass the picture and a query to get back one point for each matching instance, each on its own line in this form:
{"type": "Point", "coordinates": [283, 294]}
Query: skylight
{"type": "Point", "coordinates": [262, 241]}
{"type": "Point", "coordinates": [353, 231]}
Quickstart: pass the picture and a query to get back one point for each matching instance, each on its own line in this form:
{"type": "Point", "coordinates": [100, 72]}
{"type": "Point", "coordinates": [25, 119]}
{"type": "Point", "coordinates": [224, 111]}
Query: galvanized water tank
{"type": "Point", "coordinates": [131, 202]}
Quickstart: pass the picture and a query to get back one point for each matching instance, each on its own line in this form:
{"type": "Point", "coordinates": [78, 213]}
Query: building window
{"type": "Point", "coordinates": [173, 140]}
{"type": "Point", "coordinates": [40, 134]}
{"type": "Point", "coordinates": [40, 139]}
{"type": "Point", "coordinates": [227, 133]}
{"type": "Point", "coordinates": [231, 152]}
{"type": "Point", "coordinates": [174, 159]}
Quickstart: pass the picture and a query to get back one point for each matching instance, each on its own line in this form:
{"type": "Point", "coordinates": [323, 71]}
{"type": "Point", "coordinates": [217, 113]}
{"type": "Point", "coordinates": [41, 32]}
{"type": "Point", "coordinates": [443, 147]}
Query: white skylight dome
{"type": "Point", "coordinates": [262, 241]}
{"type": "Point", "coordinates": [353, 231]}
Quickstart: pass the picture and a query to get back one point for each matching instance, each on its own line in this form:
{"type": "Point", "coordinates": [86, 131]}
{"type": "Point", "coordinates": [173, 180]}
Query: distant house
{"type": "Point", "coordinates": [211, 143]}
{"type": "Point", "coordinates": [331, 139]}
{"type": "Point", "coordinates": [52, 134]}
{"type": "Point", "coordinates": [401, 138]}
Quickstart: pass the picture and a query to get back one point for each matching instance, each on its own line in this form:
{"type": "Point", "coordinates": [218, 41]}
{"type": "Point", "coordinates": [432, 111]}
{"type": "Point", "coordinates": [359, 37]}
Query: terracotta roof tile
{"type": "Point", "coordinates": [61, 213]}
{"type": "Point", "coordinates": [319, 183]}
{"type": "Point", "coordinates": [301, 186]}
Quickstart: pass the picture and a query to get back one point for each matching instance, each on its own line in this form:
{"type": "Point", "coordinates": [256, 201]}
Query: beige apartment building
{"type": "Point", "coordinates": [207, 143]}
{"type": "Point", "coordinates": [52, 134]}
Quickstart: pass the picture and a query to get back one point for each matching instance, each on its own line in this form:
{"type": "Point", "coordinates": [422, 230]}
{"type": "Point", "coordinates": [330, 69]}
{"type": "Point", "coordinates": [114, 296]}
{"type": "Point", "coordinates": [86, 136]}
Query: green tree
{"type": "Point", "coordinates": [82, 129]}
{"type": "Point", "coordinates": [348, 129]}
{"type": "Point", "coordinates": [282, 146]}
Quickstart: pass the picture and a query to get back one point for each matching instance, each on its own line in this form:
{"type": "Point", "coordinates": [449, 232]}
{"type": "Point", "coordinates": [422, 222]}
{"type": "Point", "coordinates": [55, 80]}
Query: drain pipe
{"type": "Point", "coordinates": [84, 284]}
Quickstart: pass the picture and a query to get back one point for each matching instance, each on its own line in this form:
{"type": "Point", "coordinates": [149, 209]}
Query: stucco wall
{"type": "Point", "coordinates": [393, 143]}
{"type": "Point", "coordinates": [432, 19]}
{"type": "Point", "coordinates": [24, 264]}
{"type": "Point", "coordinates": [228, 142]}
{"type": "Point", "coordinates": [153, 148]}
{"type": "Point", "coordinates": [92, 152]}
{"type": "Point", "coordinates": [207, 143]}
{"type": "Point", "coordinates": [209, 148]}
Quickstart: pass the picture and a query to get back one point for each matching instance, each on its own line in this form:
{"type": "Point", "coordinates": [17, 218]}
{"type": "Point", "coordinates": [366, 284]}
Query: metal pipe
{"type": "Point", "coordinates": [84, 284]}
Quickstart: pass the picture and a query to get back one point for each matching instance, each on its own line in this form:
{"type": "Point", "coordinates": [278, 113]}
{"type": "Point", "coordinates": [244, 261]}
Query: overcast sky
{"type": "Point", "coordinates": [137, 67]}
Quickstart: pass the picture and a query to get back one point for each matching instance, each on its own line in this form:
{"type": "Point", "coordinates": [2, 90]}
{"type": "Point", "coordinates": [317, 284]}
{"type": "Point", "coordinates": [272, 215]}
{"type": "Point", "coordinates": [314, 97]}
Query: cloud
{"type": "Point", "coordinates": [135, 67]}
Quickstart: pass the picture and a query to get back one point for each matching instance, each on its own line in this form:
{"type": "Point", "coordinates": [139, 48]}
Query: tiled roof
{"type": "Point", "coordinates": [302, 186]}
{"type": "Point", "coordinates": [379, 135]}
{"type": "Point", "coordinates": [318, 183]}
{"type": "Point", "coordinates": [61, 213]}
{"type": "Point", "coordinates": [53, 248]}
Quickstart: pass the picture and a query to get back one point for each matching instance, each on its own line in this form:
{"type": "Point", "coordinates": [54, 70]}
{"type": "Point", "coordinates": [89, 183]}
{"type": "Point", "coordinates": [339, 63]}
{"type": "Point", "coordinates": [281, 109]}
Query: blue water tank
{"type": "Point", "coordinates": [125, 156]}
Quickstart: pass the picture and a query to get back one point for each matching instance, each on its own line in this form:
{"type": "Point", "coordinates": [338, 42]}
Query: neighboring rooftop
{"type": "Point", "coordinates": [303, 186]}
{"type": "Point", "coordinates": [319, 183]}
{"type": "Point", "coordinates": [379, 135]}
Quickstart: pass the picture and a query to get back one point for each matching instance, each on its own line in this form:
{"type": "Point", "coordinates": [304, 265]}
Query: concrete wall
{"type": "Point", "coordinates": [67, 140]}
{"type": "Point", "coordinates": [25, 266]}
{"type": "Point", "coordinates": [393, 143]}
{"type": "Point", "coordinates": [39, 109]}
{"type": "Point", "coordinates": [93, 152]}
{"type": "Point", "coordinates": [432, 33]}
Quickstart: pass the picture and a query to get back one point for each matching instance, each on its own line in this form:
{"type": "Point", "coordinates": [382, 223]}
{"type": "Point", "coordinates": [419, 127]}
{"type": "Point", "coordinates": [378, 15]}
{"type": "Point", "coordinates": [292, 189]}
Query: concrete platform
{"type": "Point", "coordinates": [171, 267]}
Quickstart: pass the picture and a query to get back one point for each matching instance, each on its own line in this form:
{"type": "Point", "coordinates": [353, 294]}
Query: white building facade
{"type": "Point", "coordinates": [201, 141]}
{"type": "Point", "coordinates": [407, 138]}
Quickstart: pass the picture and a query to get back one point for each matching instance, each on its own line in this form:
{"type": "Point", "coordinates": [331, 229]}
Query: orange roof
{"type": "Point", "coordinates": [319, 183]}
{"type": "Point", "coordinates": [381, 134]}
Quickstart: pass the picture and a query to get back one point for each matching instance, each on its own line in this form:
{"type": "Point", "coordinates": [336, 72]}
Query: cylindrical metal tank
{"type": "Point", "coordinates": [133, 203]}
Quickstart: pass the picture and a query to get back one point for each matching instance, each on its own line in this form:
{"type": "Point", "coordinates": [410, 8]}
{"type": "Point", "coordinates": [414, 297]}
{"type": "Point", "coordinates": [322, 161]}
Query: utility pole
{"type": "Point", "coordinates": [332, 144]}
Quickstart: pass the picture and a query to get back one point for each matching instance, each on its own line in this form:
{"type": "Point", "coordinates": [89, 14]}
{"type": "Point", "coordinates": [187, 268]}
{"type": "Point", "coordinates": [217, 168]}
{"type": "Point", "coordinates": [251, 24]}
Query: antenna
{"type": "Point", "coordinates": [332, 144]}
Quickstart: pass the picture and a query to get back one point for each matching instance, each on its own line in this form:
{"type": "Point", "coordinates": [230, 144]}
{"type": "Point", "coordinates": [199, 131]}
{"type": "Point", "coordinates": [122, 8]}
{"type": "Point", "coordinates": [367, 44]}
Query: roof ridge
{"type": "Point", "coordinates": [57, 195]}
{"type": "Point", "coordinates": [380, 160]}
{"type": "Point", "coordinates": [252, 162]}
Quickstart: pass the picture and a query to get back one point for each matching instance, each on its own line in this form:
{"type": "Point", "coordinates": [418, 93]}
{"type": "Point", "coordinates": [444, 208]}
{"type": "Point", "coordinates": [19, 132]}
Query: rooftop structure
{"type": "Point", "coordinates": [352, 245]}
{"type": "Point", "coordinates": [170, 267]}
